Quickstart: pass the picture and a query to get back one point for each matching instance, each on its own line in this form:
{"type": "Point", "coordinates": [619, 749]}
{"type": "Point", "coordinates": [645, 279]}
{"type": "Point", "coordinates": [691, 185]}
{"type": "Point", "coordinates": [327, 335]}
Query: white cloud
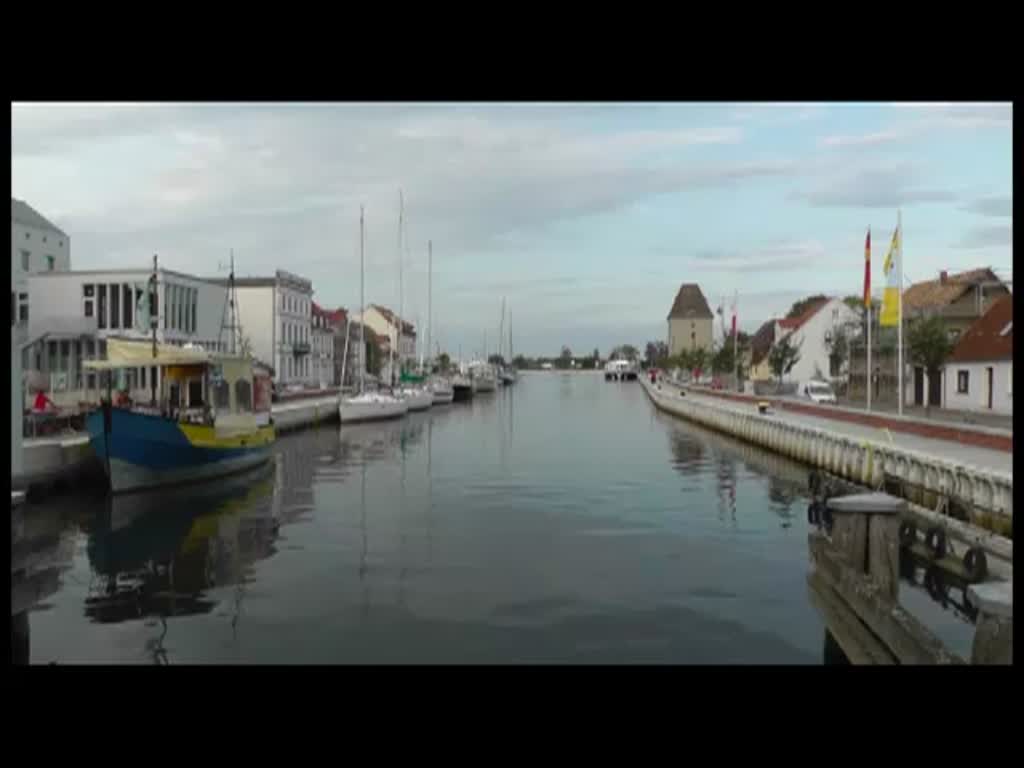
{"type": "Point", "coordinates": [865, 140]}
{"type": "Point", "coordinates": [994, 205]}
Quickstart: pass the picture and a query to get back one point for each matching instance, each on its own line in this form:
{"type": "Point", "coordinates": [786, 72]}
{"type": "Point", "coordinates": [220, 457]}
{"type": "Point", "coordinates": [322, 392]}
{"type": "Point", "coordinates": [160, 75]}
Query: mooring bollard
{"type": "Point", "coordinates": [993, 637]}
{"type": "Point", "coordinates": [866, 530]}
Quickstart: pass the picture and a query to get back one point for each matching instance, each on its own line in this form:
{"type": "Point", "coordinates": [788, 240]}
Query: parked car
{"type": "Point", "coordinates": [818, 392]}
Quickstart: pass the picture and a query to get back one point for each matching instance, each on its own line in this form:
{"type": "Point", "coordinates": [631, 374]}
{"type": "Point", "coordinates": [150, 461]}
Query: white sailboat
{"type": "Point", "coordinates": [441, 386]}
{"type": "Point", "coordinates": [367, 406]}
{"type": "Point", "coordinates": [418, 398]}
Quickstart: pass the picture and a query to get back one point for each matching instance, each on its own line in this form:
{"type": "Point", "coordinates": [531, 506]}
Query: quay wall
{"type": "Point", "coordinates": [861, 461]}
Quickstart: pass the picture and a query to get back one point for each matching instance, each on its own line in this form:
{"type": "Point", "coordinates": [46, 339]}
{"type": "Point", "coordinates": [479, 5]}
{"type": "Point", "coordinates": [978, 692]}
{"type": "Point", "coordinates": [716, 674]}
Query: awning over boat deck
{"type": "Point", "coordinates": [139, 354]}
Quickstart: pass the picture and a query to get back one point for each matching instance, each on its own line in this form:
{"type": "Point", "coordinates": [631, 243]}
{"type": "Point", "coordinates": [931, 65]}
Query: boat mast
{"type": "Point", "coordinates": [501, 328]}
{"type": "Point", "coordinates": [362, 308]}
{"type": "Point", "coordinates": [154, 311]}
{"type": "Point", "coordinates": [430, 304]}
{"type": "Point", "coordinates": [401, 296]}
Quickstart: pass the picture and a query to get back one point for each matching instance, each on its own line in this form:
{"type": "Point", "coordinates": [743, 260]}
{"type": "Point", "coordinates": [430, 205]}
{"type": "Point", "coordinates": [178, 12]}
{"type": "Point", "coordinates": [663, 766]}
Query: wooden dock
{"type": "Point", "coordinates": [854, 582]}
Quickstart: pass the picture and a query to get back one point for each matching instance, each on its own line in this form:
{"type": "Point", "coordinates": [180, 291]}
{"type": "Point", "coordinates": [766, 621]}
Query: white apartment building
{"type": "Point", "coordinates": [73, 313]}
{"type": "Point", "coordinates": [322, 347]}
{"type": "Point", "coordinates": [37, 246]}
{"type": "Point", "coordinates": [276, 317]}
{"type": "Point", "coordinates": [811, 331]}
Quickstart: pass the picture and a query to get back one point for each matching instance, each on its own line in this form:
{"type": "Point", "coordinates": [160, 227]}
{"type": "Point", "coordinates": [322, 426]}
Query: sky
{"type": "Point", "coordinates": [585, 218]}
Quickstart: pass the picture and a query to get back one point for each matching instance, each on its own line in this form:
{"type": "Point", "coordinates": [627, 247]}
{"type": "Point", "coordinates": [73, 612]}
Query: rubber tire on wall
{"type": "Point", "coordinates": [976, 564]}
{"type": "Point", "coordinates": [935, 540]}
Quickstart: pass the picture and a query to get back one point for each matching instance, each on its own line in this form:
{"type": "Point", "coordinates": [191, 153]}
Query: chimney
{"type": "Point", "coordinates": [943, 277]}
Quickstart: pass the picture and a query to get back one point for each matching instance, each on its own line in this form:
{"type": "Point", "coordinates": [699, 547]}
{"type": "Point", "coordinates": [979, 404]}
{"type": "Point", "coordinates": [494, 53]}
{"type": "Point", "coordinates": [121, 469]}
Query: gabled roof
{"type": "Point", "coordinates": [690, 303]}
{"type": "Point", "coordinates": [990, 337]}
{"type": "Point", "coordinates": [933, 294]}
{"type": "Point", "coordinates": [337, 317]}
{"type": "Point", "coordinates": [392, 319]}
{"type": "Point", "coordinates": [23, 213]}
{"type": "Point", "coordinates": [761, 342]}
{"type": "Point", "coordinates": [794, 323]}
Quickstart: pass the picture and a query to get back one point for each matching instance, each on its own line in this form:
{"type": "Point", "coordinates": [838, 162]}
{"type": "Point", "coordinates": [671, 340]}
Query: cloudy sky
{"type": "Point", "coordinates": [585, 217]}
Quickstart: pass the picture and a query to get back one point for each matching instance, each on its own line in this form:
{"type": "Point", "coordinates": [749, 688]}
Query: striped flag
{"type": "Point", "coordinates": [867, 270]}
{"type": "Point", "coordinates": [890, 300]}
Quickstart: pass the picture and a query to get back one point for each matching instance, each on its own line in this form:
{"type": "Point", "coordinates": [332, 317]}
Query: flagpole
{"type": "Point", "coordinates": [899, 305]}
{"type": "Point", "coordinates": [735, 340]}
{"type": "Point", "coordinates": [867, 302]}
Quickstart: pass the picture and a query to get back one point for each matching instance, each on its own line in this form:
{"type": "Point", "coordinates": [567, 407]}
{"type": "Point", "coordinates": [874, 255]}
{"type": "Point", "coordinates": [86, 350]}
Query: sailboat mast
{"type": "Point", "coordinates": [430, 304]}
{"type": "Point", "coordinates": [501, 328]}
{"type": "Point", "coordinates": [401, 306]}
{"type": "Point", "coordinates": [362, 308]}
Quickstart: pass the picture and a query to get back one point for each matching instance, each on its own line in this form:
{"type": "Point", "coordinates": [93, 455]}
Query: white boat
{"type": "Point", "coordinates": [484, 378]}
{"type": "Point", "coordinates": [371, 406]}
{"type": "Point", "coordinates": [417, 398]}
{"type": "Point", "coordinates": [443, 392]}
{"type": "Point", "coordinates": [367, 406]}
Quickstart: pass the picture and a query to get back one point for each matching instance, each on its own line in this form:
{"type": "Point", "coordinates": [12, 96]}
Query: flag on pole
{"type": "Point", "coordinates": [867, 270]}
{"type": "Point", "coordinates": [734, 317]}
{"type": "Point", "coordinates": [890, 315]}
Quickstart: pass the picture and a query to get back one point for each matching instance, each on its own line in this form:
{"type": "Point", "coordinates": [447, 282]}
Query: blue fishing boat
{"type": "Point", "coordinates": [211, 417]}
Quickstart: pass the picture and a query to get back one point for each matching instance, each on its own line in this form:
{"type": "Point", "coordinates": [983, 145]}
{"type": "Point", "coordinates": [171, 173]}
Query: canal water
{"type": "Point", "coordinates": [559, 520]}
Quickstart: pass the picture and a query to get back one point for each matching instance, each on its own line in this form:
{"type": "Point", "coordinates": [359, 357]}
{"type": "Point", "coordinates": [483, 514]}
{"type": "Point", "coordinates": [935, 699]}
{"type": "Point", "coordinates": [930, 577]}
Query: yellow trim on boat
{"type": "Point", "coordinates": [203, 436]}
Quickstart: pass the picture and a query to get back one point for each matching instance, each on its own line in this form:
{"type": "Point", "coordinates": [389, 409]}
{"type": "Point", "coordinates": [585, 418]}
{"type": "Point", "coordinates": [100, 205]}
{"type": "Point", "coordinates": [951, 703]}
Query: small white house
{"type": "Point", "coordinates": [978, 375]}
{"type": "Point", "coordinates": [812, 331]}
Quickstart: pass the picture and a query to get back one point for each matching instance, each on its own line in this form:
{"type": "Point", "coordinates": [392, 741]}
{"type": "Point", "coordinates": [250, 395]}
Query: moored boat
{"type": "Point", "coordinates": [443, 392]}
{"type": "Point", "coordinates": [463, 387]}
{"type": "Point", "coordinates": [371, 406]}
{"type": "Point", "coordinates": [205, 423]}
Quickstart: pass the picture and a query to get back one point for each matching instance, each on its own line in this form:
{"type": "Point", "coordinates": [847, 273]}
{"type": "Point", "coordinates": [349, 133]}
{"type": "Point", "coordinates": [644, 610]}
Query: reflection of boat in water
{"type": "Point", "coordinates": [157, 553]}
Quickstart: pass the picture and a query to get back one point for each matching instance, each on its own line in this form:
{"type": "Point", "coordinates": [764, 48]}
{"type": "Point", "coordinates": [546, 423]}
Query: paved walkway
{"type": "Point", "coordinates": [937, 415]}
{"type": "Point", "coordinates": [1000, 461]}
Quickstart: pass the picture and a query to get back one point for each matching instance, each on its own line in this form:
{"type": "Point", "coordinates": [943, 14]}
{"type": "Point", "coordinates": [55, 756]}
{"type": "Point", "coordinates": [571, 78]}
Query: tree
{"type": "Point", "coordinates": [565, 358]}
{"type": "Point", "coordinates": [444, 362]}
{"type": "Point", "coordinates": [596, 356]}
{"type": "Point", "coordinates": [699, 359]}
{"type": "Point", "coordinates": [520, 362]}
{"type": "Point", "coordinates": [656, 353]}
{"type": "Point", "coordinates": [801, 306]}
{"type": "Point", "coordinates": [783, 356]}
{"type": "Point", "coordinates": [929, 347]}
{"type": "Point", "coordinates": [723, 361]}
{"type": "Point", "coordinates": [496, 360]}
{"type": "Point", "coordinates": [630, 352]}
{"type": "Point", "coordinates": [373, 358]}
{"type": "Point", "coordinates": [838, 347]}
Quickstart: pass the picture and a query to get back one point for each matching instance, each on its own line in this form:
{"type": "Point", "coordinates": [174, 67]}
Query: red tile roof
{"type": "Point", "coordinates": [392, 318]}
{"type": "Point", "coordinates": [792, 323]}
{"type": "Point", "coordinates": [989, 338]}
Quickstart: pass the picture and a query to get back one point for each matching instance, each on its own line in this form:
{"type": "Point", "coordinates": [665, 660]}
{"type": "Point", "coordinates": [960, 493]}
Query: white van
{"type": "Point", "coordinates": [819, 392]}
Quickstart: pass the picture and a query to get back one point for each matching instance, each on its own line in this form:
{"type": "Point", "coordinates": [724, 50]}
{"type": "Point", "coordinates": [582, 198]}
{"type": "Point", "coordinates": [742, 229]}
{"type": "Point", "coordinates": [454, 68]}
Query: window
{"type": "Point", "coordinates": [142, 379]}
{"type": "Point", "coordinates": [181, 309]}
{"type": "Point", "coordinates": [127, 306]}
{"type": "Point", "coordinates": [88, 291]}
{"type": "Point", "coordinates": [962, 380]}
{"type": "Point", "coordinates": [102, 307]}
{"type": "Point", "coordinates": [115, 307]}
{"type": "Point", "coordinates": [221, 395]}
{"type": "Point", "coordinates": [195, 302]}
{"type": "Point", "coordinates": [26, 260]}
{"type": "Point", "coordinates": [243, 395]}
{"type": "Point", "coordinates": [50, 262]}
{"type": "Point", "coordinates": [65, 354]}
{"type": "Point", "coordinates": [23, 308]}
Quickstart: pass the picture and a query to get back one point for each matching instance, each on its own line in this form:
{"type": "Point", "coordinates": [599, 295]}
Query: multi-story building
{"type": "Point", "coordinates": [276, 318]}
{"type": "Point", "coordinates": [322, 347]}
{"type": "Point", "coordinates": [812, 331]}
{"type": "Point", "coordinates": [959, 300]}
{"type": "Point", "coordinates": [37, 246]}
{"type": "Point", "coordinates": [384, 323]}
{"type": "Point", "coordinates": [73, 313]}
{"type": "Point", "coordinates": [690, 321]}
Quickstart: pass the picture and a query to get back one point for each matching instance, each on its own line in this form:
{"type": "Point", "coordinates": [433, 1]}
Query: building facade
{"type": "Point", "coordinates": [276, 317]}
{"type": "Point", "coordinates": [73, 313]}
{"type": "Point", "coordinates": [322, 347]}
{"type": "Point", "coordinates": [690, 321]}
{"type": "Point", "coordinates": [385, 324]}
{"type": "Point", "coordinates": [813, 331]}
{"type": "Point", "coordinates": [37, 246]}
{"type": "Point", "coordinates": [978, 376]}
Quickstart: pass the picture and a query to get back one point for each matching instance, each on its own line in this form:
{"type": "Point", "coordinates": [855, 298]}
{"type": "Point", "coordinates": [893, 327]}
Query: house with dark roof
{"type": "Point", "coordinates": [959, 299]}
{"type": "Point", "coordinates": [690, 321]}
{"type": "Point", "coordinates": [978, 375]}
{"type": "Point", "coordinates": [760, 345]}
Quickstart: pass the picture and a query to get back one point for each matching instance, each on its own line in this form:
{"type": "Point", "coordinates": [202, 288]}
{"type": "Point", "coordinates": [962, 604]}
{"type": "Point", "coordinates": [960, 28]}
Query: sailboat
{"type": "Point", "coordinates": [507, 374]}
{"type": "Point", "coordinates": [367, 406]}
{"type": "Point", "coordinates": [411, 389]}
{"type": "Point", "coordinates": [211, 417]}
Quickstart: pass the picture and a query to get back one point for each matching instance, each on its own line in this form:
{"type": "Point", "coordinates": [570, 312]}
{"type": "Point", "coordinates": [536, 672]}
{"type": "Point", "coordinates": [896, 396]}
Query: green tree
{"type": "Point", "coordinates": [699, 360]}
{"type": "Point", "coordinates": [838, 346]}
{"type": "Point", "coordinates": [564, 359]}
{"type": "Point", "coordinates": [496, 360]}
{"type": "Point", "coordinates": [656, 353]}
{"type": "Point", "coordinates": [596, 356]}
{"type": "Point", "coordinates": [929, 347]}
{"type": "Point", "coordinates": [783, 356]}
{"type": "Point", "coordinates": [520, 362]}
{"type": "Point", "coordinates": [444, 362]}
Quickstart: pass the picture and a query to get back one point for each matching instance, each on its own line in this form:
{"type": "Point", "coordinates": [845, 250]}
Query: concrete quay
{"type": "Point", "coordinates": [864, 456]}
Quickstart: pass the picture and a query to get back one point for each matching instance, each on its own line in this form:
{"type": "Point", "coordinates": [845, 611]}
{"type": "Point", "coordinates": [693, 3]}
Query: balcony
{"type": "Point", "coordinates": [300, 348]}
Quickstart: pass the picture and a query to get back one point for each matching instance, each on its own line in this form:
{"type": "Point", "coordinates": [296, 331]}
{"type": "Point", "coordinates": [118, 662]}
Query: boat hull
{"type": "Point", "coordinates": [485, 385]}
{"type": "Point", "coordinates": [419, 400]}
{"type": "Point", "coordinates": [443, 396]}
{"type": "Point", "coordinates": [355, 411]}
{"type": "Point", "coordinates": [141, 451]}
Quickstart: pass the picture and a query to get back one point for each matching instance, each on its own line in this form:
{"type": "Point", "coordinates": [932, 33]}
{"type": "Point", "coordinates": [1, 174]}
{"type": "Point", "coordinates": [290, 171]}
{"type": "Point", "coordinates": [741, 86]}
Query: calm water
{"type": "Point", "coordinates": [562, 520]}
